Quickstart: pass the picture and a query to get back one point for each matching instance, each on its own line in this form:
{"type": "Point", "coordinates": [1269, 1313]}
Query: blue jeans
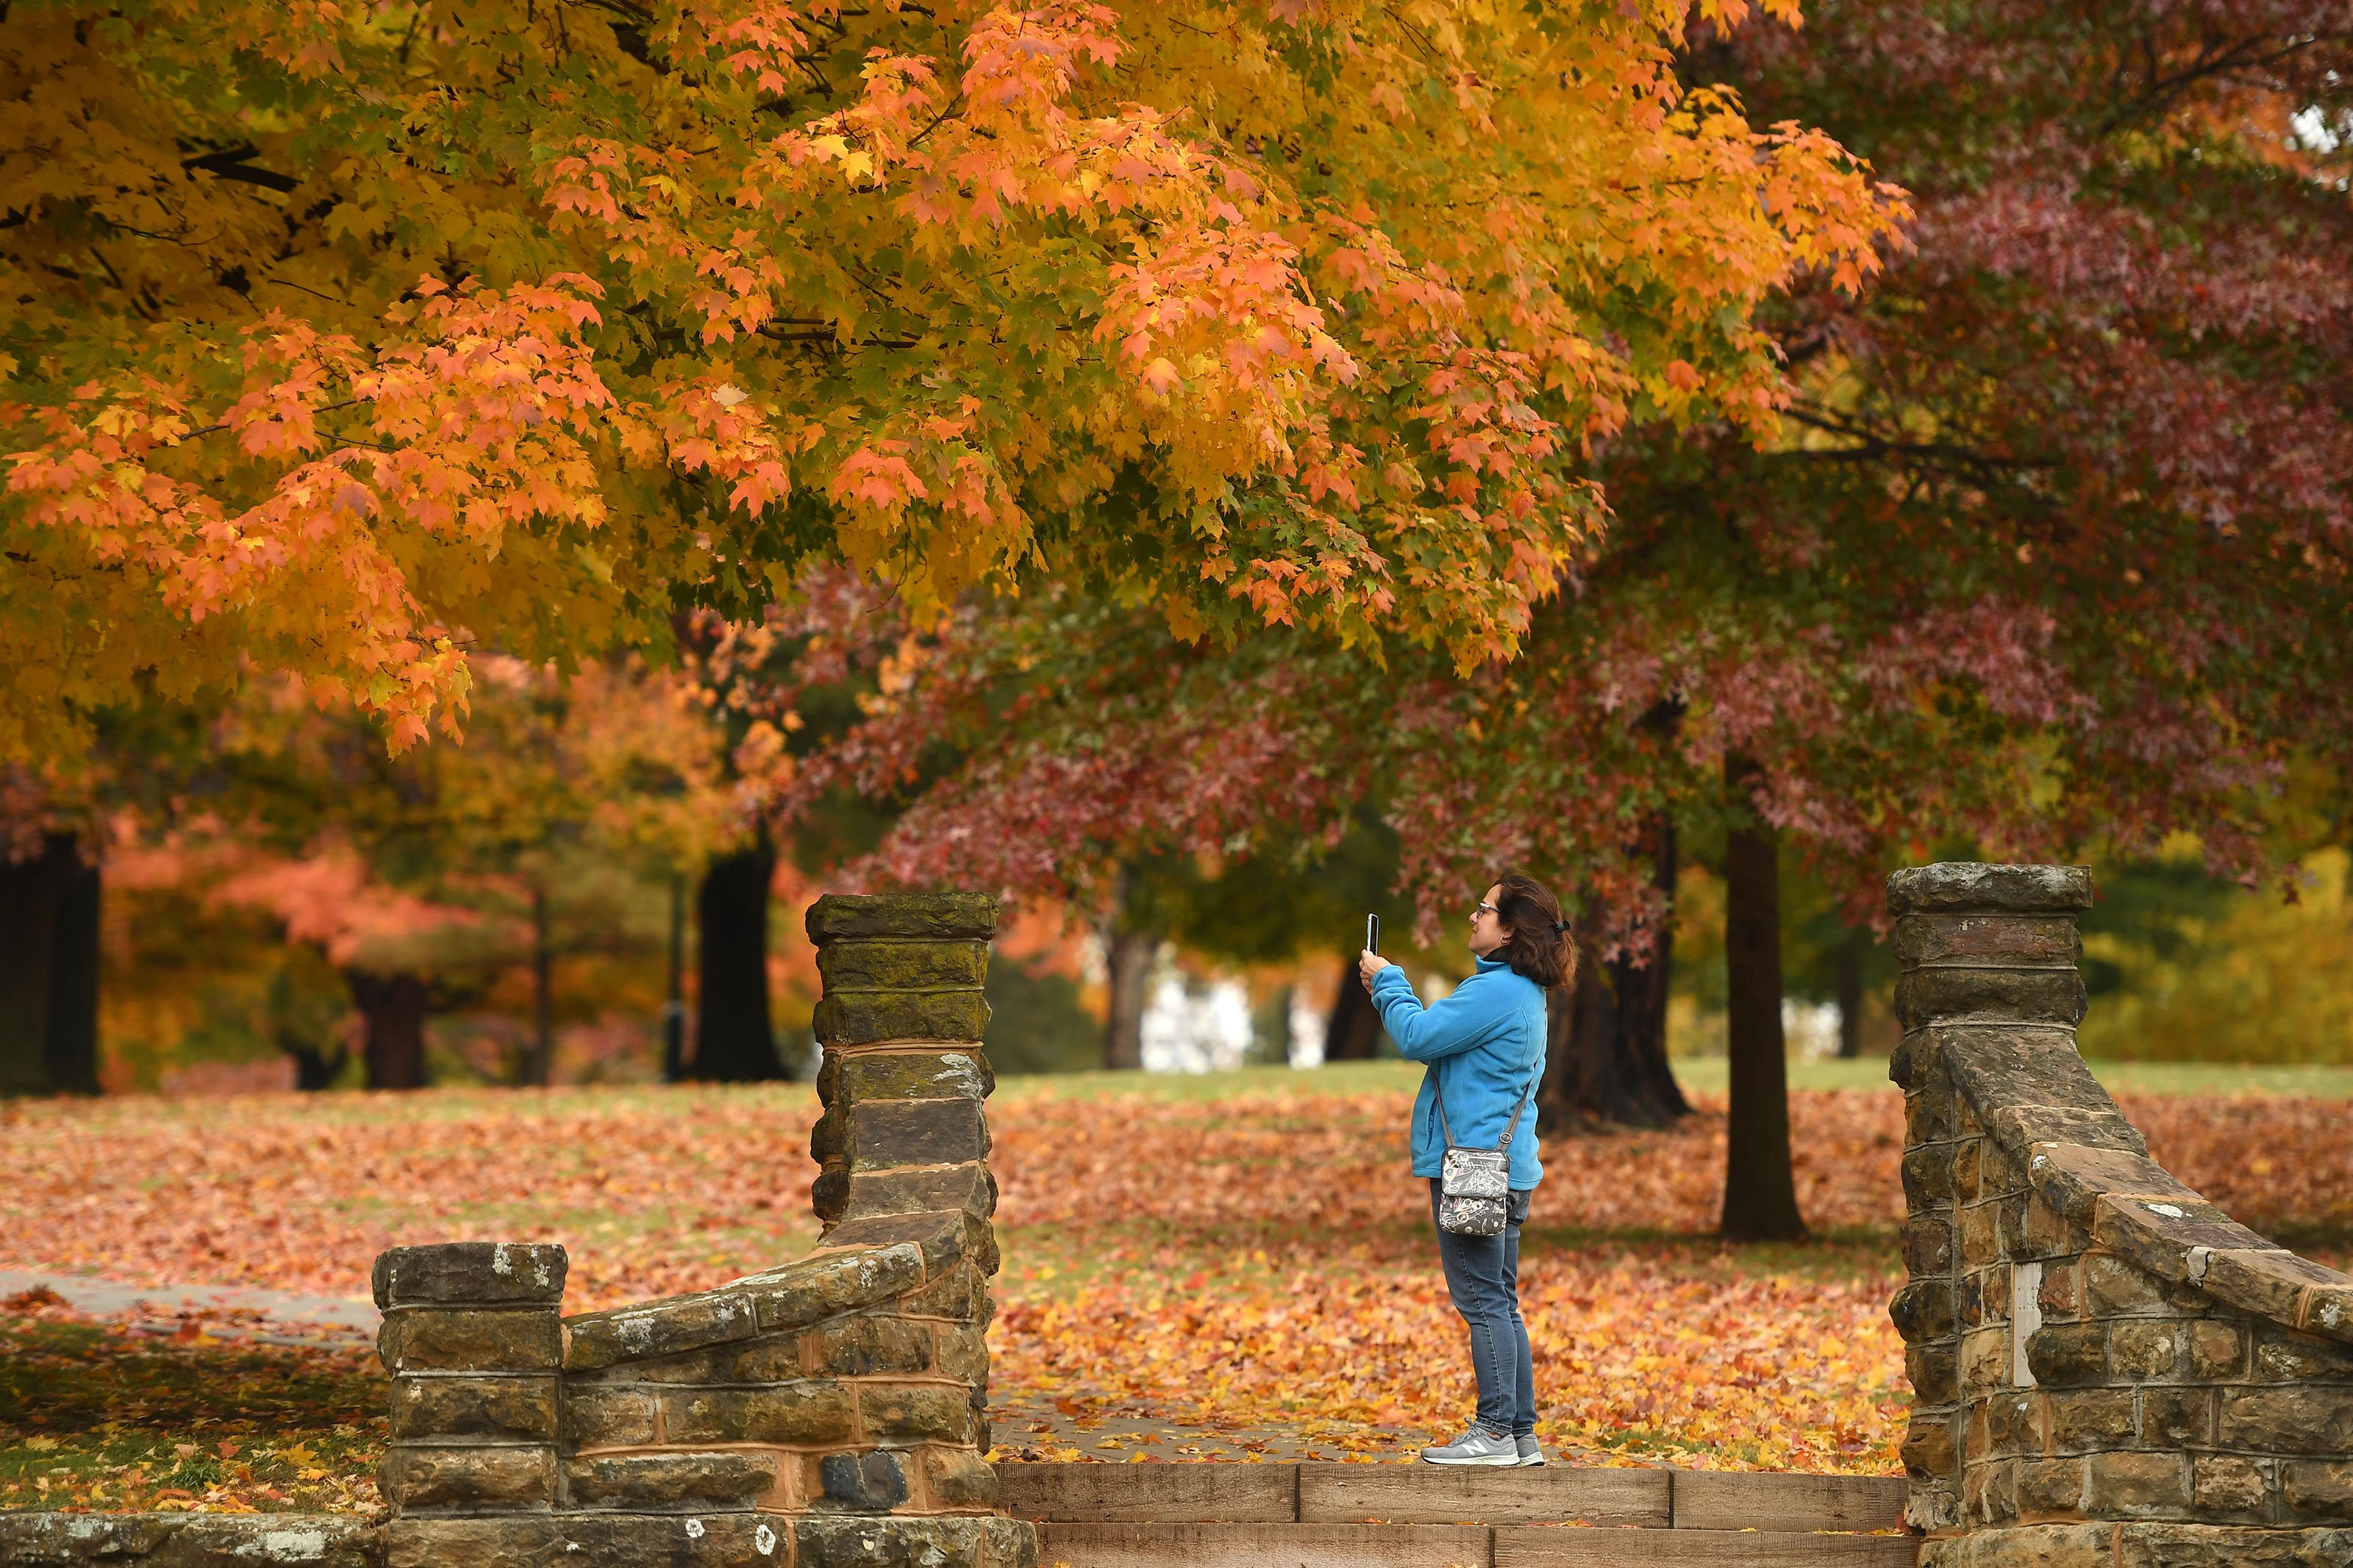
{"type": "Point", "coordinates": [1482, 1275]}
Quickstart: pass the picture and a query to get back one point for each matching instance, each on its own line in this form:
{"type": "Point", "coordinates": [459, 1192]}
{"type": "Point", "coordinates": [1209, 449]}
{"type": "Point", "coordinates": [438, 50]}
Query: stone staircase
{"type": "Point", "coordinates": [1421, 1516]}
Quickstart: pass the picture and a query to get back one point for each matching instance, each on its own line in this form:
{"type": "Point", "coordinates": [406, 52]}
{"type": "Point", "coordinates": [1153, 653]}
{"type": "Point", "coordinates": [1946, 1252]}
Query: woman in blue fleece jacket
{"type": "Point", "coordinates": [1486, 1047]}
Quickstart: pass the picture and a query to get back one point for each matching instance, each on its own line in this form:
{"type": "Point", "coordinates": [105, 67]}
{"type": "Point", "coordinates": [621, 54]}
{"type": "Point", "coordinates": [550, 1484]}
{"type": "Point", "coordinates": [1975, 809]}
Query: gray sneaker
{"type": "Point", "coordinates": [1476, 1447]}
{"type": "Point", "coordinates": [1530, 1453]}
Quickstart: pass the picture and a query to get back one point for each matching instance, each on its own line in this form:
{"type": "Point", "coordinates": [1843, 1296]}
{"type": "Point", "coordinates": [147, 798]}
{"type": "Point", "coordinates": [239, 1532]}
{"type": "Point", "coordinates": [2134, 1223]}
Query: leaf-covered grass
{"type": "Point", "coordinates": [1246, 1272]}
{"type": "Point", "coordinates": [103, 1415]}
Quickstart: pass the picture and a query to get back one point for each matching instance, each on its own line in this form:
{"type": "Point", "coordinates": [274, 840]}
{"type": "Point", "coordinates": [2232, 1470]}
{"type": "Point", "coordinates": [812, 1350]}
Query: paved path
{"type": "Point", "coordinates": [240, 1311]}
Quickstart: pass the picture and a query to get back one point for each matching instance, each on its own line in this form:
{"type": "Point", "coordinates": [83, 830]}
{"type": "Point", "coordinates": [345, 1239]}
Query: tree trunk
{"type": "Point", "coordinates": [1606, 1032]}
{"type": "Point", "coordinates": [48, 971]}
{"type": "Point", "coordinates": [1353, 1033]}
{"type": "Point", "coordinates": [1128, 956]}
{"type": "Point", "coordinates": [1760, 1193]}
{"type": "Point", "coordinates": [314, 1069]}
{"type": "Point", "coordinates": [538, 1062]}
{"type": "Point", "coordinates": [734, 1038]}
{"type": "Point", "coordinates": [674, 1010]}
{"type": "Point", "coordinates": [1850, 994]}
{"type": "Point", "coordinates": [393, 1007]}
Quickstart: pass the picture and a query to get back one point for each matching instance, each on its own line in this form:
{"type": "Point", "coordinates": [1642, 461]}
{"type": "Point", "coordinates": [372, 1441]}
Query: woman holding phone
{"type": "Point", "coordinates": [1485, 1043]}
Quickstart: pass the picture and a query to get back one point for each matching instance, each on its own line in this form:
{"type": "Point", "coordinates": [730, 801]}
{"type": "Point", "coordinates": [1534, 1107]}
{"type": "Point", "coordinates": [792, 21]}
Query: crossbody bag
{"type": "Point", "coordinates": [1474, 1185]}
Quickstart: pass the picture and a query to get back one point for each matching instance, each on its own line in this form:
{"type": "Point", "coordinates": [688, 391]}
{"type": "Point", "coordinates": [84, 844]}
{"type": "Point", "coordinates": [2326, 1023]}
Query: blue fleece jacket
{"type": "Point", "coordinates": [1483, 1044]}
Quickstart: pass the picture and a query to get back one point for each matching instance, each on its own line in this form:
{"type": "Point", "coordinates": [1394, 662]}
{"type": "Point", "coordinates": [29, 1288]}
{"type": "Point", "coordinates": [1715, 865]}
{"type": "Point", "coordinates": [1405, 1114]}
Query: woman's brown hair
{"type": "Point", "coordinates": [1539, 946]}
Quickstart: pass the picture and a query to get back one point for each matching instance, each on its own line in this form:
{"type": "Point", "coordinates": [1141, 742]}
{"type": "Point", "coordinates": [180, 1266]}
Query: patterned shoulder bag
{"type": "Point", "coordinates": [1474, 1185]}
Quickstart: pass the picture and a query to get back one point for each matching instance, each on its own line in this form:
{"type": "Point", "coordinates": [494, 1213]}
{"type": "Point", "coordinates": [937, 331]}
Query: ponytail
{"type": "Point", "coordinates": [1540, 946]}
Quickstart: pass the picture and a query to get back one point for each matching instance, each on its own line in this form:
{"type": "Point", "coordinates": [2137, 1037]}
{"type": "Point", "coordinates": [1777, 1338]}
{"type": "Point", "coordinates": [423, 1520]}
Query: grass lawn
{"type": "Point", "coordinates": [100, 1415]}
{"type": "Point", "coordinates": [1698, 1075]}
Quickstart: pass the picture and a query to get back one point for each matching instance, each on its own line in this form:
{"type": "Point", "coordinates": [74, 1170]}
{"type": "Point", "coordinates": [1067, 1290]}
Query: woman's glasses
{"type": "Point", "coordinates": [1484, 907]}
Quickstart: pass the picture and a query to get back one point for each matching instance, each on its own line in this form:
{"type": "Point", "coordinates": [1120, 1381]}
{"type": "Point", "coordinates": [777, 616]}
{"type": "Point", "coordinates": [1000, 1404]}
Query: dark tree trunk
{"type": "Point", "coordinates": [674, 1009]}
{"type": "Point", "coordinates": [1128, 956]}
{"type": "Point", "coordinates": [1850, 993]}
{"type": "Point", "coordinates": [71, 1047]}
{"type": "Point", "coordinates": [1353, 1033]}
{"type": "Point", "coordinates": [1606, 1032]}
{"type": "Point", "coordinates": [48, 971]}
{"type": "Point", "coordinates": [538, 1062]}
{"type": "Point", "coordinates": [393, 1008]}
{"type": "Point", "coordinates": [1760, 1193]}
{"type": "Point", "coordinates": [314, 1069]}
{"type": "Point", "coordinates": [734, 1038]}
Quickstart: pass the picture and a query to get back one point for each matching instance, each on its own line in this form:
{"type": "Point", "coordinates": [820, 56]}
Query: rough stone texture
{"type": "Point", "coordinates": [477, 1272]}
{"type": "Point", "coordinates": [857, 1018]}
{"type": "Point", "coordinates": [468, 1339]}
{"type": "Point", "coordinates": [468, 1479]}
{"type": "Point", "coordinates": [521, 1409]}
{"type": "Point", "coordinates": [2107, 1370]}
{"type": "Point", "coordinates": [913, 917]}
{"type": "Point", "coordinates": [901, 964]}
{"type": "Point", "coordinates": [685, 1480]}
{"type": "Point", "coordinates": [190, 1540]}
{"type": "Point", "coordinates": [826, 1412]}
{"type": "Point", "coordinates": [1971, 890]}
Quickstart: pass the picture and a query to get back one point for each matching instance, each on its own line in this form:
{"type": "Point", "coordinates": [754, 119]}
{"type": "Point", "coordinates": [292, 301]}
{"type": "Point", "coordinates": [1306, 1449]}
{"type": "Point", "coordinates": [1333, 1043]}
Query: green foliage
{"type": "Point", "coordinates": [1281, 903]}
{"type": "Point", "coordinates": [2185, 967]}
{"type": "Point", "coordinates": [1036, 1022]}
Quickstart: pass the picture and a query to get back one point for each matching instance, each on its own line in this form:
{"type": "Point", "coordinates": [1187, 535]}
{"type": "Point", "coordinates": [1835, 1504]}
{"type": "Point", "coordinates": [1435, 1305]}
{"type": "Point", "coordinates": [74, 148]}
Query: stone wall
{"type": "Point", "coordinates": [2107, 1370]}
{"type": "Point", "coordinates": [830, 1412]}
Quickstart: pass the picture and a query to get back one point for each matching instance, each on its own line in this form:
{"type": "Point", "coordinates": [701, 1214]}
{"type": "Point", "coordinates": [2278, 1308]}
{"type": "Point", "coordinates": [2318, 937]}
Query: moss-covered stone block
{"type": "Point", "coordinates": [900, 965]}
{"type": "Point", "coordinates": [514, 1409]}
{"type": "Point", "coordinates": [437, 1339]}
{"type": "Point", "coordinates": [928, 917]}
{"type": "Point", "coordinates": [506, 1479]}
{"type": "Point", "coordinates": [863, 1017]}
{"type": "Point", "coordinates": [670, 1482]}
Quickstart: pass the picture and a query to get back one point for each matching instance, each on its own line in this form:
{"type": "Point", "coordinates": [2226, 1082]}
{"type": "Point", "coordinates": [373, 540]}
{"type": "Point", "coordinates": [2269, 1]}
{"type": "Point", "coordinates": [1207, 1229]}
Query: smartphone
{"type": "Point", "coordinates": [1372, 933]}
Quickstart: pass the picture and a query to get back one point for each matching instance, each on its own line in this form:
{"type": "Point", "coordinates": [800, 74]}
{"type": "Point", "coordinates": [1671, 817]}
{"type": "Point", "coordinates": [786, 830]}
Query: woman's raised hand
{"type": "Point", "coordinates": [1369, 963]}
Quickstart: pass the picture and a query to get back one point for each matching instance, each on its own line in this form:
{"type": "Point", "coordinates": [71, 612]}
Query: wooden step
{"type": "Point", "coordinates": [1435, 1494]}
{"type": "Point", "coordinates": [1571, 1548]}
{"type": "Point", "coordinates": [1179, 1545]}
{"type": "Point", "coordinates": [1175, 1545]}
{"type": "Point", "coordinates": [1149, 1494]}
{"type": "Point", "coordinates": [1327, 1493]}
{"type": "Point", "coordinates": [1786, 1501]}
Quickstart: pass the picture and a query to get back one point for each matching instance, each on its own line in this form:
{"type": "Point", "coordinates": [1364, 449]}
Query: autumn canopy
{"type": "Point", "coordinates": [351, 337]}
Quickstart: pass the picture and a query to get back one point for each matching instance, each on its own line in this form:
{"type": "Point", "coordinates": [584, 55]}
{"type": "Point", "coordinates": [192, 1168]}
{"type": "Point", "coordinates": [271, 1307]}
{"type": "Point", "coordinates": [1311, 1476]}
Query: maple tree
{"type": "Point", "coordinates": [2050, 556]}
{"type": "Point", "coordinates": [352, 337]}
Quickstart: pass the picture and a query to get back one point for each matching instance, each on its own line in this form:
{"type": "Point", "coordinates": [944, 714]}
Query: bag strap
{"type": "Point", "coordinates": [1510, 1130]}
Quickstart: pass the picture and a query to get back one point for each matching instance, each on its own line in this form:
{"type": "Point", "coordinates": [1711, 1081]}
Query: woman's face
{"type": "Point", "coordinates": [1488, 931]}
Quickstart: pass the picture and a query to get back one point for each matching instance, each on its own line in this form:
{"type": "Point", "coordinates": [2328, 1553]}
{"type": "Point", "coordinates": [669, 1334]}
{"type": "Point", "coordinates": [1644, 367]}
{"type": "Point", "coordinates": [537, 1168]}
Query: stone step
{"type": "Point", "coordinates": [1275, 1545]}
{"type": "Point", "coordinates": [1395, 1494]}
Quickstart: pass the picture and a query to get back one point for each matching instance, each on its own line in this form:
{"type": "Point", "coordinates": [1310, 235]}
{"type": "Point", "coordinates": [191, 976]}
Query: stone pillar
{"type": "Point", "coordinates": [903, 1076]}
{"type": "Point", "coordinates": [473, 1338]}
{"type": "Point", "coordinates": [1989, 955]}
{"type": "Point", "coordinates": [903, 1141]}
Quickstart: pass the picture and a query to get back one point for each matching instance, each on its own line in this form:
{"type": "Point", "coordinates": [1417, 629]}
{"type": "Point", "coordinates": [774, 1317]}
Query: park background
{"type": "Point", "coordinates": [1921, 433]}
